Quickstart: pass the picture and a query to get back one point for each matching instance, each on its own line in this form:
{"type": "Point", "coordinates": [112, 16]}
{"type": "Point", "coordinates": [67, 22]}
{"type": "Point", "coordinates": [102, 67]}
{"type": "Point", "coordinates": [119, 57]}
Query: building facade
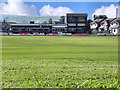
{"type": "Point", "coordinates": [110, 26]}
{"type": "Point", "coordinates": [97, 25]}
{"type": "Point", "coordinates": [115, 26]}
{"type": "Point", "coordinates": [107, 24]}
{"type": "Point", "coordinates": [76, 23]}
{"type": "Point", "coordinates": [31, 28]}
{"type": "Point", "coordinates": [119, 9]}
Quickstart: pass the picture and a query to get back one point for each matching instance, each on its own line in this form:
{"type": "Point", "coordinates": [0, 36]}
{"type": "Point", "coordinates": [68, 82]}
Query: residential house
{"type": "Point", "coordinates": [107, 24]}
{"type": "Point", "coordinates": [115, 26]}
{"type": "Point", "coordinates": [119, 9]}
{"type": "Point", "coordinates": [95, 25]}
{"type": "Point", "coordinates": [6, 25]}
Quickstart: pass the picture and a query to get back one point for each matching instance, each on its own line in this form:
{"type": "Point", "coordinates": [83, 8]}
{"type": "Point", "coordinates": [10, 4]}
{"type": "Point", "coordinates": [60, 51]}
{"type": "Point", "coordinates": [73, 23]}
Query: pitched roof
{"type": "Point", "coordinates": [97, 21]}
{"type": "Point", "coordinates": [116, 20]}
{"type": "Point", "coordinates": [8, 23]}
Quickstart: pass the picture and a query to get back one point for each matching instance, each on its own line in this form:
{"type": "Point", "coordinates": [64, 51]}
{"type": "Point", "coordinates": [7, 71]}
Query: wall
{"type": "Point", "coordinates": [119, 9]}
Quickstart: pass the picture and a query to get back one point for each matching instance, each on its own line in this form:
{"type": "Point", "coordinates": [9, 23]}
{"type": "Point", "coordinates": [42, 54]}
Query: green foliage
{"type": "Point", "coordinates": [101, 17]}
{"type": "Point", "coordinates": [44, 22]}
{"type": "Point", "coordinates": [62, 19]}
{"type": "Point", "coordinates": [59, 62]}
{"type": "Point", "coordinates": [27, 19]}
{"type": "Point", "coordinates": [50, 21]}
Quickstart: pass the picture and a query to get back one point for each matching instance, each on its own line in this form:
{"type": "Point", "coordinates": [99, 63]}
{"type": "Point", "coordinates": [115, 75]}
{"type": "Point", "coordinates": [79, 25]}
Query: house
{"type": "Point", "coordinates": [101, 27]}
{"type": "Point", "coordinates": [115, 26]}
{"type": "Point", "coordinates": [95, 25]}
{"type": "Point", "coordinates": [118, 12]}
{"type": "Point", "coordinates": [104, 25]}
{"type": "Point", "coordinates": [107, 24]}
{"type": "Point", "coordinates": [6, 25]}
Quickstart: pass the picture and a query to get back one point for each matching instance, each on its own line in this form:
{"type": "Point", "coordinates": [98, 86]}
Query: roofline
{"type": "Point", "coordinates": [81, 14]}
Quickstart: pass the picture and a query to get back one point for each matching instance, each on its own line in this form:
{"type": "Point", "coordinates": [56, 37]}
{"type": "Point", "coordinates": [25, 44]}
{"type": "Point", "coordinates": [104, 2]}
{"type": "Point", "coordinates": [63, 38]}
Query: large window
{"type": "Point", "coordinates": [74, 19]}
{"type": "Point", "coordinates": [71, 19]}
{"type": "Point", "coordinates": [81, 19]}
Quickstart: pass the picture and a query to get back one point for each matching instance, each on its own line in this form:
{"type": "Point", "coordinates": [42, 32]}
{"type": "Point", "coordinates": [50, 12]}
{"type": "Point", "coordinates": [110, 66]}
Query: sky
{"type": "Point", "coordinates": [58, 8]}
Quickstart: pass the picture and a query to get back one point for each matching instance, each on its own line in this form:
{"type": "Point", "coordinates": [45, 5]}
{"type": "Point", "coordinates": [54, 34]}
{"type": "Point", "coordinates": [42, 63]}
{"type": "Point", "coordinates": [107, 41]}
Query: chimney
{"type": "Point", "coordinates": [4, 21]}
{"type": "Point", "coordinates": [94, 16]}
{"type": "Point", "coordinates": [116, 12]}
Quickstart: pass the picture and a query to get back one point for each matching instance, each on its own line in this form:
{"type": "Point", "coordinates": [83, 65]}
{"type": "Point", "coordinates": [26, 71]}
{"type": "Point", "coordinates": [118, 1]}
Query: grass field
{"type": "Point", "coordinates": [59, 62]}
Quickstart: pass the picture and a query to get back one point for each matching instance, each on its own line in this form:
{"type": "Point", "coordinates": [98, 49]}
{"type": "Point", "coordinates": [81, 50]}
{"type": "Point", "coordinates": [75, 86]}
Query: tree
{"type": "Point", "coordinates": [44, 22]}
{"type": "Point", "coordinates": [50, 21]}
{"type": "Point", "coordinates": [62, 19]}
{"type": "Point", "coordinates": [100, 17]}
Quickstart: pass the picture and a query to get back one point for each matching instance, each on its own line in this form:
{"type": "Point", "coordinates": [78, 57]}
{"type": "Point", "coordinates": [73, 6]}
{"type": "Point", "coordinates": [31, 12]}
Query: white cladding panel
{"type": "Point", "coordinates": [119, 9]}
{"type": "Point", "coordinates": [71, 24]}
{"type": "Point", "coordinates": [81, 24]}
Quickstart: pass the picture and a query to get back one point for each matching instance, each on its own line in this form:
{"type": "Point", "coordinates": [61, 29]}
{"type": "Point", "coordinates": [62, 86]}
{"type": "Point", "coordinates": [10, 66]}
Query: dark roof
{"type": "Point", "coordinates": [8, 23]}
{"type": "Point", "coordinates": [97, 21]}
{"type": "Point", "coordinates": [77, 14]}
{"type": "Point", "coordinates": [25, 25]}
{"type": "Point", "coordinates": [56, 21]}
{"type": "Point", "coordinates": [11, 23]}
{"type": "Point", "coordinates": [108, 20]}
{"type": "Point", "coordinates": [102, 20]}
{"type": "Point", "coordinates": [31, 24]}
{"type": "Point", "coordinates": [116, 20]}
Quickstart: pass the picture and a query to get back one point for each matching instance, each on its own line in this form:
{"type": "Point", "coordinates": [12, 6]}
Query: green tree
{"type": "Point", "coordinates": [100, 17]}
{"type": "Point", "coordinates": [44, 22]}
{"type": "Point", "coordinates": [62, 19]}
{"type": "Point", "coordinates": [50, 21]}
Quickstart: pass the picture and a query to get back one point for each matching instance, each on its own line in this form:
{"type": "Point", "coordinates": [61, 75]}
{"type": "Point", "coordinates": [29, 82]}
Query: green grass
{"type": "Point", "coordinates": [59, 62]}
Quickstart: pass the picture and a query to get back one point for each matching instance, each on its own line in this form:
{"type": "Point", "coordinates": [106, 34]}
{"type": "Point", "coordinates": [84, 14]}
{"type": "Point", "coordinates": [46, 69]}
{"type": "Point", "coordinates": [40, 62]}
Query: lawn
{"type": "Point", "coordinates": [60, 61]}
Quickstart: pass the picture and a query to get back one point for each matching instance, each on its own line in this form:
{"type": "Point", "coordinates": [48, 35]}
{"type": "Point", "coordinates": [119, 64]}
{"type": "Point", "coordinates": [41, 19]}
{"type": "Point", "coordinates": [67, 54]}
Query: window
{"type": "Point", "coordinates": [71, 19]}
{"type": "Point", "coordinates": [81, 19]}
{"type": "Point", "coordinates": [114, 30]}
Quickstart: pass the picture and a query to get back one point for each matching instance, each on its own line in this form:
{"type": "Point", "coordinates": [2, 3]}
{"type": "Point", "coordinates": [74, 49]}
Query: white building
{"type": "Point", "coordinates": [95, 24]}
{"type": "Point", "coordinates": [107, 24]}
{"type": "Point", "coordinates": [119, 9]}
{"type": "Point", "coordinates": [115, 26]}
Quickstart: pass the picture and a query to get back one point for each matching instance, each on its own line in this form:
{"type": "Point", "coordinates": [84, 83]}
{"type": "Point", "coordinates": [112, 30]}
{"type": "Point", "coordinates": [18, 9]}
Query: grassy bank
{"type": "Point", "coordinates": [58, 61]}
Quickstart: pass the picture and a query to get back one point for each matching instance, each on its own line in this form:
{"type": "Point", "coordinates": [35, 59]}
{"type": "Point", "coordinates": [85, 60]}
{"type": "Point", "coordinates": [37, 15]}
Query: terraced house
{"type": "Point", "coordinates": [110, 26]}
{"type": "Point", "coordinates": [115, 26]}
{"type": "Point", "coordinates": [96, 24]}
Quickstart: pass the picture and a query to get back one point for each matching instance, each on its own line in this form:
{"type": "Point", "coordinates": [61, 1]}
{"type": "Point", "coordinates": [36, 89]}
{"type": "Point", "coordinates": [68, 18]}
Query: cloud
{"type": "Point", "coordinates": [17, 7]}
{"type": "Point", "coordinates": [110, 11]}
{"type": "Point", "coordinates": [47, 10]}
